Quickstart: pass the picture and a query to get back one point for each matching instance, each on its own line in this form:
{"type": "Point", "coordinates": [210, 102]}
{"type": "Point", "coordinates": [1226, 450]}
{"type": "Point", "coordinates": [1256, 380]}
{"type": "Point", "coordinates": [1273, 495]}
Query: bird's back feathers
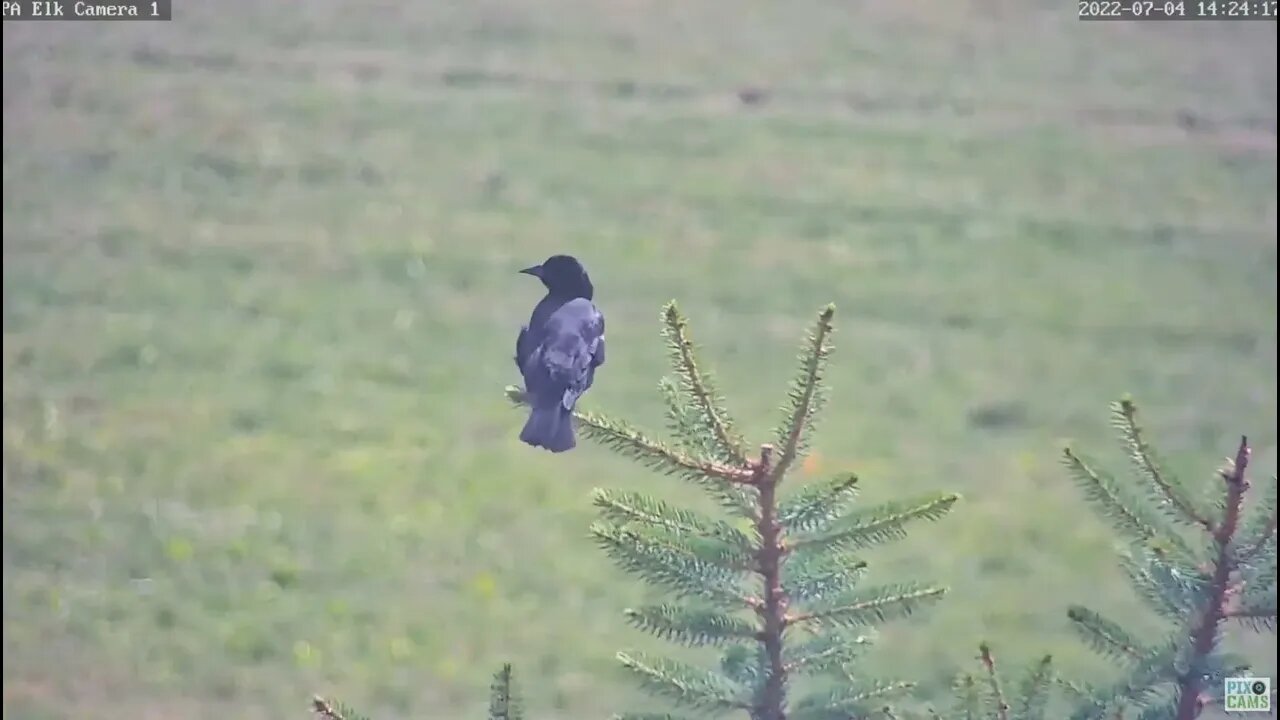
{"type": "Point", "coordinates": [532, 334]}
{"type": "Point", "coordinates": [558, 362]}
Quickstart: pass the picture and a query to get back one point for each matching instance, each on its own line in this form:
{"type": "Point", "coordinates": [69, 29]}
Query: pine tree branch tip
{"type": "Point", "coordinates": [324, 709]}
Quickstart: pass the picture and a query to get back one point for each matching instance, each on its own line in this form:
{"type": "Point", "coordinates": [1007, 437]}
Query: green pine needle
{"type": "Point", "coordinates": [627, 441]}
{"type": "Point", "coordinates": [1163, 489]}
{"type": "Point", "coordinates": [1125, 512]}
{"type": "Point", "coordinates": [691, 626]}
{"type": "Point", "coordinates": [1104, 636]}
{"type": "Point", "coordinates": [627, 507]}
{"type": "Point", "coordinates": [846, 701]}
{"type": "Point", "coordinates": [504, 701]}
{"type": "Point", "coordinates": [814, 507]}
{"type": "Point", "coordinates": [877, 525]}
{"type": "Point", "coordinates": [1259, 615]}
{"type": "Point", "coordinates": [968, 697]}
{"type": "Point", "coordinates": [684, 684]}
{"type": "Point", "coordinates": [669, 564]}
{"type": "Point", "coordinates": [826, 653]}
{"type": "Point", "coordinates": [1163, 709]}
{"type": "Point", "coordinates": [724, 442]}
{"type": "Point", "coordinates": [685, 423]}
{"type": "Point", "coordinates": [994, 686]}
{"type": "Point", "coordinates": [871, 607]}
{"type": "Point", "coordinates": [811, 577]}
{"type": "Point", "coordinates": [744, 664]}
{"type": "Point", "coordinates": [1260, 577]}
{"type": "Point", "coordinates": [1160, 598]}
{"type": "Point", "coordinates": [330, 710]}
{"type": "Point", "coordinates": [1258, 534]}
{"type": "Point", "coordinates": [1033, 696]}
{"type": "Point", "coordinates": [806, 396]}
{"type": "Point", "coordinates": [1145, 677]}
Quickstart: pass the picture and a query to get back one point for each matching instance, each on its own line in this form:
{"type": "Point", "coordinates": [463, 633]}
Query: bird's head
{"type": "Point", "coordinates": [563, 275]}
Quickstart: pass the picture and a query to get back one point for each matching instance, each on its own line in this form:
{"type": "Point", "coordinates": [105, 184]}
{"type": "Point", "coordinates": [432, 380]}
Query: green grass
{"type": "Point", "coordinates": [260, 301]}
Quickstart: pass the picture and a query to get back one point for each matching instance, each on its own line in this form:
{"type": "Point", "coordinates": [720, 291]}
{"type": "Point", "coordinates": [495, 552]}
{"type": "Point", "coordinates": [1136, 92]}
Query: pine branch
{"type": "Point", "coordinates": [684, 684]}
{"type": "Point", "coordinates": [1166, 491]}
{"type": "Point", "coordinates": [845, 702]}
{"type": "Point", "coordinates": [870, 607]}
{"type": "Point", "coordinates": [691, 626]}
{"type": "Point", "coordinates": [1258, 617]}
{"type": "Point", "coordinates": [726, 445]}
{"type": "Point", "coordinates": [626, 507]}
{"type": "Point", "coordinates": [1174, 606]}
{"type": "Point", "coordinates": [328, 710]}
{"type": "Point", "coordinates": [985, 698]}
{"type": "Point", "coordinates": [1033, 700]}
{"type": "Point", "coordinates": [1104, 636]}
{"type": "Point", "coordinates": [993, 681]}
{"type": "Point", "coordinates": [744, 664]}
{"type": "Point", "coordinates": [806, 395]}
{"type": "Point", "coordinates": [1260, 528]}
{"type": "Point", "coordinates": [684, 423]}
{"type": "Point", "coordinates": [968, 698]}
{"type": "Point", "coordinates": [632, 443]}
{"type": "Point", "coordinates": [1163, 709]}
{"type": "Point", "coordinates": [814, 576]}
{"type": "Point", "coordinates": [1079, 695]}
{"type": "Point", "coordinates": [670, 565]}
{"type": "Point", "coordinates": [1144, 677]}
{"type": "Point", "coordinates": [693, 438]}
{"type": "Point", "coordinates": [504, 703]}
{"type": "Point", "coordinates": [1254, 603]}
{"type": "Point", "coordinates": [649, 716]}
{"type": "Point", "coordinates": [1113, 503]}
{"type": "Point", "coordinates": [812, 508]}
{"type": "Point", "coordinates": [1259, 582]}
{"type": "Point", "coordinates": [878, 525]}
{"type": "Point", "coordinates": [826, 653]}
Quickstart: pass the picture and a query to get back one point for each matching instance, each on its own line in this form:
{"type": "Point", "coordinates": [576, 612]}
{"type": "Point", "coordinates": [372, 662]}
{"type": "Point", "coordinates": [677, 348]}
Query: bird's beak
{"type": "Point", "coordinates": [535, 271]}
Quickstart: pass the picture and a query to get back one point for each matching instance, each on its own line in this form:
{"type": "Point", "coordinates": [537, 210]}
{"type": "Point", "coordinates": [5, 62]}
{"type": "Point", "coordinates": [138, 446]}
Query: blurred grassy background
{"type": "Point", "coordinates": [260, 302]}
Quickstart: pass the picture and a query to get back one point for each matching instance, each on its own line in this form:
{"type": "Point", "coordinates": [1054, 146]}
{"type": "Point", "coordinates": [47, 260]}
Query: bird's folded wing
{"type": "Point", "coordinates": [522, 353]}
{"type": "Point", "coordinates": [597, 351]}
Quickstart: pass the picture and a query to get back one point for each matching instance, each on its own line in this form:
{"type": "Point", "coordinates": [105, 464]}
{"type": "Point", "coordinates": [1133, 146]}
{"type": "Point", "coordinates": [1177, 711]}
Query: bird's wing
{"type": "Point", "coordinates": [561, 366]}
{"type": "Point", "coordinates": [597, 350]}
{"type": "Point", "coordinates": [590, 356]}
{"type": "Point", "coordinates": [583, 375]}
{"type": "Point", "coordinates": [522, 346]}
{"type": "Point", "coordinates": [535, 333]}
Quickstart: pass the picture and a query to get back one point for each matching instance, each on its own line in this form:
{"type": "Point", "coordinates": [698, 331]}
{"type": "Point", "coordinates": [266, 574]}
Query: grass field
{"type": "Point", "coordinates": [260, 303]}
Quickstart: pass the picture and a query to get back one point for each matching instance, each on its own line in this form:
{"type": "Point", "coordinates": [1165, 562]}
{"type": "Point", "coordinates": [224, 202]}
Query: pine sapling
{"type": "Point", "coordinates": [988, 696]}
{"type": "Point", "coordinates": [1225, 571]}
{"type": "Point", "coordinates": [775, 583]}
{"type": "Point", "coordinates": [504, 701]}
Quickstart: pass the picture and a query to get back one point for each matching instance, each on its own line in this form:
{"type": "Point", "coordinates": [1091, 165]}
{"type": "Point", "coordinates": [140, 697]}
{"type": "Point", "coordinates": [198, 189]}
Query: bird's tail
{"type": "Point", "coordinates": [550, 428]}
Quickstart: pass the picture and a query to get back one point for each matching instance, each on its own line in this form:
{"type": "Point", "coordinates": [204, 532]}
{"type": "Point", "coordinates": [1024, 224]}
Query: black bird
{"type": "Point", "coordinates": [558, 351]}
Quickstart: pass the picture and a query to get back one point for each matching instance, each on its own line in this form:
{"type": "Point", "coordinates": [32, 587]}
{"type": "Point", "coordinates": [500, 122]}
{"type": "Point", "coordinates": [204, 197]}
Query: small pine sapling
{"type": "Point", "coordinates": [1196, 564]}
{"type": "Point", "coordinates": [332, 710]}
{"type": "Point", "coordinates": [988, 696]}
{"type": "Point", "coordinates": [776, 583]}
{"type": "Point", "coordinates": [504, 701]}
